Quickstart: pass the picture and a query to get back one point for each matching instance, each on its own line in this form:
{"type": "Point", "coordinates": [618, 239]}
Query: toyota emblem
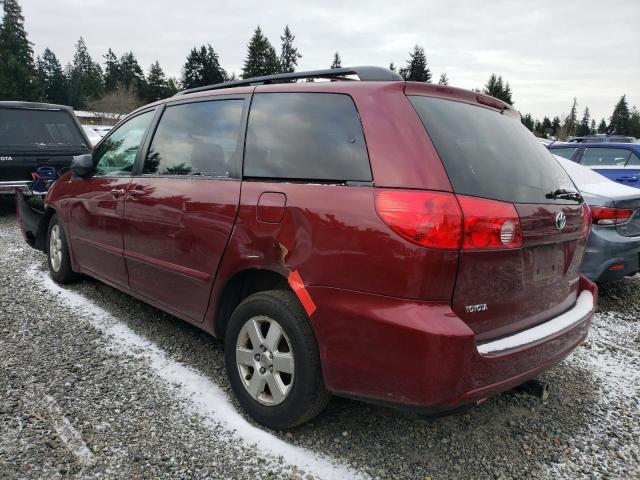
{"type": "Point", "coordinates": [561, 220]}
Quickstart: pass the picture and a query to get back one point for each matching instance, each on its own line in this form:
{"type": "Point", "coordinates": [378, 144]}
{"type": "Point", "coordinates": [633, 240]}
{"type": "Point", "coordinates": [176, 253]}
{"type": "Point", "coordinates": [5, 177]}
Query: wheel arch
{"type": "Point", "coordinates": [239, 286]}
{"type": "Point", "coordinates": [43, 229]}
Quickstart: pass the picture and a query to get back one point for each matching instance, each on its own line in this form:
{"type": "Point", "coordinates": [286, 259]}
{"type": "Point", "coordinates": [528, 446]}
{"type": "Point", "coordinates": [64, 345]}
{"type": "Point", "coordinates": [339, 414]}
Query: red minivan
{"type": "Point", "coordinates": [404, 243]}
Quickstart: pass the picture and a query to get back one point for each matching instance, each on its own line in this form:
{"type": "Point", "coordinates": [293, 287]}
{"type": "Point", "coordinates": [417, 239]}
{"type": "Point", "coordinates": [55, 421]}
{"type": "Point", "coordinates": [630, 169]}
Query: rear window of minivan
{"type": "Point", "coordinates": [489, 154]}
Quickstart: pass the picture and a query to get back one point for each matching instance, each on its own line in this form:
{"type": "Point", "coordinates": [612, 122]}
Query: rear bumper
{"type": "Point", "coordinates": [606, 248]}
{"type": "Point", "coordinates": [422, 357]}
{"type": "Point", "coordinates": [9, 187]}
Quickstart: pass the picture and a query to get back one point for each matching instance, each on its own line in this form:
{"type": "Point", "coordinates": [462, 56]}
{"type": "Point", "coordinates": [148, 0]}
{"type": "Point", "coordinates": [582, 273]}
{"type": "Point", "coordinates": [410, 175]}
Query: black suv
{"type": "Point", "coordinates": [34, 135]}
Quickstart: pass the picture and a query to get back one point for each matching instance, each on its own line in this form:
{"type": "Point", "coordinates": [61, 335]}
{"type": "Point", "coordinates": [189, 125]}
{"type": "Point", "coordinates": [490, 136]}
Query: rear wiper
{"type": "Point", "coordinates": [564, 194]}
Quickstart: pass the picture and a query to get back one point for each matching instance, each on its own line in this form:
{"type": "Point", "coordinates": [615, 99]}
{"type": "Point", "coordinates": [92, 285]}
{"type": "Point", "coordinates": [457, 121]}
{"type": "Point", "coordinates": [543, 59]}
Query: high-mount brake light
{"type": "Point", "coordinates": [610, 216]}
{"type": "Point", "coordinates": [489, 224]}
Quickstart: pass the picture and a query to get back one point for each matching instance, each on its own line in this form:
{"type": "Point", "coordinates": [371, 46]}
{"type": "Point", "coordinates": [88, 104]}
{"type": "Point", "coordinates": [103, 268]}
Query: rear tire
{"type": "Point", "coordinates": [58, 257]}
{"type": "Point", "coordinates": [272, 360]}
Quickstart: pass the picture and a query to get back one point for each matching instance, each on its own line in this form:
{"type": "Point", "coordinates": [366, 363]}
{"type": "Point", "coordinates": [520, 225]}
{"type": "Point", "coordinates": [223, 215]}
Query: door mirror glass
{"type": "Point", "coordinates": [82, 165]}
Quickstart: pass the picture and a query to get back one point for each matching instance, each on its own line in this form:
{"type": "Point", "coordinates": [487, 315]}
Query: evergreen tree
{"type": "Point", "coordinates": [555, 126]}
{"type": "Point", "coordinates": [583, 129]}
{"type": "Point", "coordinates": [173, 86]}
{"type": "Point", "coordinates": [547, 126]}
{"type": "Point", "coordinates": [17, 70]}
{"type": "Point", "coordinates": [416, 69]}
{"type": "Point", "coordinates": [202, 68]}
{"type": "Point", "coordinates": [392, 67]}
{"type": "Point", "coordinates": [51, 78]}
{"type": "Point", "coordinates": [85, 77]}
{"type": "Point", "coordinates": [337, 61]}
{"type": "Point", "coordinates": [537, 129]}
{"type": "Point", "coordinates": [261, 57]}
{"type": "Point", "coordinates": [527, 121]}
{"type": "Point", "coordinates": [619, 120]}
{"type": "Point", "coordinates": [634, 123]}
{"type": "Point", "coordinates": [444, 80]}
{"type": "Point", "coordinates": [111, 71]}
{"type": "Point", "coordinates": [289, 54]}
{"type": "Point", "coordinates": [592, 127]}
{"type": "Point", "coordinates": [602, 126]}
{"type": "Point", "coordinates": [130, 72]}
{"type": "Point", "coordinates": [571, 122]}
{"type": "Point", "coordinates": [156, 87]}
{"type": "Point", "coordinates": [496, 87]}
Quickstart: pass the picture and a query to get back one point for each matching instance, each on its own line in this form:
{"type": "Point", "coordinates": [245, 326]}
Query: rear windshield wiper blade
{"type": "Point", "coordinates": [565, 195]}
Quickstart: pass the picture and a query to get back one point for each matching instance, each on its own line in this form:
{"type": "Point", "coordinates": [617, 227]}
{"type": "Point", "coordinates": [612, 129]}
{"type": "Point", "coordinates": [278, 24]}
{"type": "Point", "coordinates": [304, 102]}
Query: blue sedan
{"type": "Point", "coordinates": [617, 161]}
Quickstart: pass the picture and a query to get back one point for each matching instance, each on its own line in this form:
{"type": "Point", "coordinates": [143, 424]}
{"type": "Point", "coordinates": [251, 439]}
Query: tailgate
{"type": "Point", "coordinates": [504, 291]}
{"type": "Point", "coordinates": [20, 166]}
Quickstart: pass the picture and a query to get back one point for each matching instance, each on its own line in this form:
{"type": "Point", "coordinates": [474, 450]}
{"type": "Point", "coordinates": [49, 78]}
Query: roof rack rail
{"type": "Point", "coordinates": [366, 73]}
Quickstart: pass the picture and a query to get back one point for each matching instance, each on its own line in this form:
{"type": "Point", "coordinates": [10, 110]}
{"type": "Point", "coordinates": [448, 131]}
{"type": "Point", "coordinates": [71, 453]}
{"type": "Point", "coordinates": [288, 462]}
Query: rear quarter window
{"type": "Point", "coordinates": [491, 155]}
{"type": "Point", "coordinates": [564, 152]}
{"type": "Point", "coordinates": [305, 136]}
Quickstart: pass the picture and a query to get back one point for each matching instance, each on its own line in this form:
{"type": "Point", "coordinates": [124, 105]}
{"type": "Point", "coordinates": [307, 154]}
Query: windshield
{"type": "Point", "coordinates": [21, 128]}
{"type": "Point", "coordinates": [491, 155]}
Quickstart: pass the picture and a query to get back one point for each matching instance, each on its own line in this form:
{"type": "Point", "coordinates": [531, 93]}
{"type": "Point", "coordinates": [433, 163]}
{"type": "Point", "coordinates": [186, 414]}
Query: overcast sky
{"type": "Point", "coordinates": [549, 51]}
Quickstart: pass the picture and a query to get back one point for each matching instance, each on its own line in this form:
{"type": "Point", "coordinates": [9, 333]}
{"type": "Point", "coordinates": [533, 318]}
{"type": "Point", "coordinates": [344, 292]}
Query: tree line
{"type": "Point", "coordinates": [119, 84]}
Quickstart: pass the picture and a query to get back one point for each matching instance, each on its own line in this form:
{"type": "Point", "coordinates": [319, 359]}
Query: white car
{"type": "Point", "coordinates": [93, 136]}
{"type": "Point", "coordinates": [102, 130]}
{"type": "Point", "coordinates": [613, 248]}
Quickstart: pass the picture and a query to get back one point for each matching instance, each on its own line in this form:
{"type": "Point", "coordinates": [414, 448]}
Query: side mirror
{"type": "Point", "coordinates": [82, 165]}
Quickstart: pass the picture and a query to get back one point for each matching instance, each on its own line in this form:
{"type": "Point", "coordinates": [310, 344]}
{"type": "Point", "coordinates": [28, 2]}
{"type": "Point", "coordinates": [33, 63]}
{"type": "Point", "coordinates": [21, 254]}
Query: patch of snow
{"type": "Point", "coordinates": [584, 304]}
{"type": "Point", "coordinates": [207, 398]}
{"type": "Point", "coordinates": [68, 434]}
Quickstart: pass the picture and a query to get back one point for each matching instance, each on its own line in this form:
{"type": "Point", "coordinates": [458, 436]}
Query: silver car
{"type": "Point", "coordinates": [613, 248]}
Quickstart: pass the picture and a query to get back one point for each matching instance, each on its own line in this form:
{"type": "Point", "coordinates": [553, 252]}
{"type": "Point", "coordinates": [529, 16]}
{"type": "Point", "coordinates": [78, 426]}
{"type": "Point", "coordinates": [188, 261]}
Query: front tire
{"type": "Point", "coordinates": [272, 360]}
{"type": "Point", "coordinates": [58, 257]}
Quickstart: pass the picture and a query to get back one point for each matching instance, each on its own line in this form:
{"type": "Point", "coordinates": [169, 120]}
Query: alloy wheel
{"type": "Point", "coordinates": [55, 248]}
{"type": "Point", "coordinates": [265, 360]}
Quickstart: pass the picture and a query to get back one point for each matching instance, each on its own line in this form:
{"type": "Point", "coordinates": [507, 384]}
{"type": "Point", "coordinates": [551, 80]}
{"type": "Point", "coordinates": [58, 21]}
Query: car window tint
{"type": "Point", "coordinates": [488, 154]}
{"type": "Point", "coordinates": [564, 152]}
{"type": "Point", "coordinates": [305, 136]}
{"type": "Point", "coordinates": [198, 138]}
{"type": "Point", "coordinates": [634, 160]}
{"type": "Point", "coordinates": [53, 129]}
{"type": "Point", "coordinates": [605, 157]}
{"type": "Point", "coordinates": [116, 155]}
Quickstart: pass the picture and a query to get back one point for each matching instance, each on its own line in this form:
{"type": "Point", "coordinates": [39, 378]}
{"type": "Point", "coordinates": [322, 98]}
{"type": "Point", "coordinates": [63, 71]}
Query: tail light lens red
{"type": "Point", "coordinates": [442, 220]}
{"type": "Point", "coordinates": [428, 219]}
{"type": "Point", "coordinates": [489, 224]}
{"type": "Point", "coordinates": [610, 216]}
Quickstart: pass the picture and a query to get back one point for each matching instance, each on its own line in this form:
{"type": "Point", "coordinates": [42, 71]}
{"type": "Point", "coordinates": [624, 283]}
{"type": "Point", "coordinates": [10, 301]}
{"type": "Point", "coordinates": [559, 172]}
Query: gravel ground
{"type": "Point", "coordinates": [95, 384]}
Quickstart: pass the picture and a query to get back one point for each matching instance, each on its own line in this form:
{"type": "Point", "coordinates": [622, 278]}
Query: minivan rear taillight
{"type": "Point", "coordinates": [428, 219]}
{"type": "Point", "coordinates": [610, 216]}
{"type": "Point", "coordinates": [446, 221]}
{"type": "Point", "coordinates": [489, 224]}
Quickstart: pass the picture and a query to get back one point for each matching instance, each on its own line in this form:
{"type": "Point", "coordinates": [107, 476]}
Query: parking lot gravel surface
{"type": "Point", "coordinates": [96, 384]}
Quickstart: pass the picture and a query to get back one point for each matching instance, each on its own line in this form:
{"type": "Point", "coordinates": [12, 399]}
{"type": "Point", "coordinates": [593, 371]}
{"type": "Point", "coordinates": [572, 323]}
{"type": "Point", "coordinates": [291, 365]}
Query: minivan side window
{"type": "Point", "coordinates": [116, 155]}
{"type": "Point", "coordinates": [199, 138]}
{"type": "Point", "coordinates": [305, 136]}
{"type": "Point", "coordinates": [605, 157]}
